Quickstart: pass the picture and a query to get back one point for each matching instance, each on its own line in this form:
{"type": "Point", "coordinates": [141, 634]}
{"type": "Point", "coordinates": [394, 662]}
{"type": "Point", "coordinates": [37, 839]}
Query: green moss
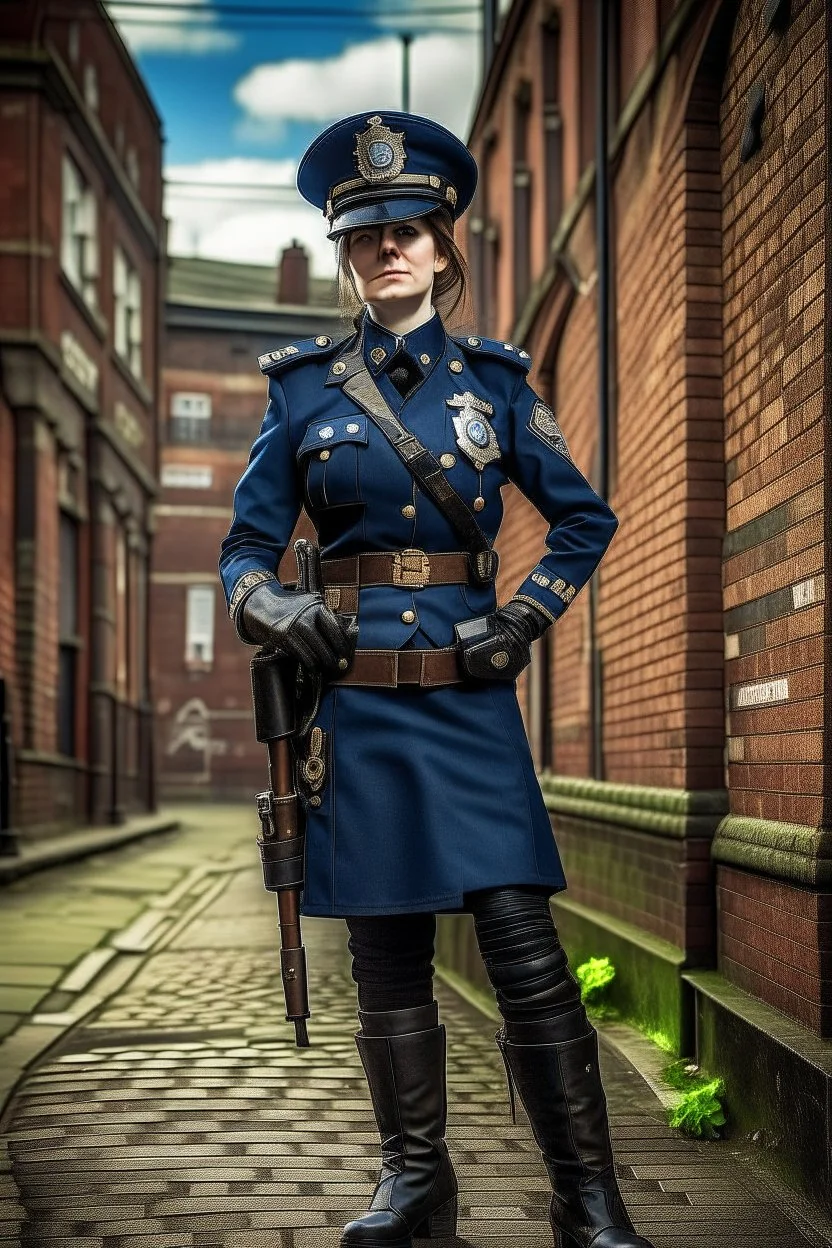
{"type": "Point", "coordinates": [594, 976]}
{"type": "Point", "coordinates": [699, 1111]}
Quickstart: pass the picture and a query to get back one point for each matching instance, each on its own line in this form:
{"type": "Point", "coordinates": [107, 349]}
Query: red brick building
{"type": "Point", "coordinates": [679, 712]}
{"type": "Point", "coordinates": [81, 246]}
{"type": "Point", "coordinates": [219, 318]}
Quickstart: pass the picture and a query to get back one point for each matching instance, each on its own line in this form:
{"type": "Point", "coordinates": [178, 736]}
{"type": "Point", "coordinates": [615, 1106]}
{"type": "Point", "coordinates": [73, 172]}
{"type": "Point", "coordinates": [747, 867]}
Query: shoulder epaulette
{"type": "Point", "coordinates": [321, 348]}
{"type": "Point", "coordinates": [493, 347]}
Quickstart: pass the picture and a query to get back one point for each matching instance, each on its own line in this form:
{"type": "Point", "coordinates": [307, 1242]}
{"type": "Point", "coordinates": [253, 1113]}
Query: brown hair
{"type": "Point", "coordinates": [450, 285]}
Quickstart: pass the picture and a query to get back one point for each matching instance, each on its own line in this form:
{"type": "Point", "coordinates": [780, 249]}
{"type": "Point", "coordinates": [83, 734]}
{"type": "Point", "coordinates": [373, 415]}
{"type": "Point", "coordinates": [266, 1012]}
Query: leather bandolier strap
{"type": "Point", "coordinates": [421, 463]}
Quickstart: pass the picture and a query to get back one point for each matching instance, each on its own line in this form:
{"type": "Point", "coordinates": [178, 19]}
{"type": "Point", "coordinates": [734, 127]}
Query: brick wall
{"type": "Point", "coordinates": [774, 280]}
{"type": "Point", "coordinates": [775, 941]}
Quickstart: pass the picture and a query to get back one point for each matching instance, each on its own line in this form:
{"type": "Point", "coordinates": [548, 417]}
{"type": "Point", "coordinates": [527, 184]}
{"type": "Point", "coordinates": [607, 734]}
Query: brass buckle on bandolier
{"type": "Point", "coordinates": [411, 568]}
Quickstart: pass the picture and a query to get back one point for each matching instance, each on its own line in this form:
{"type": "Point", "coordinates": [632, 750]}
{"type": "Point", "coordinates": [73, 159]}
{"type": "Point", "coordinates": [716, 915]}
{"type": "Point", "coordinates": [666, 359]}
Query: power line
{"type": "Point", "coordinates": [274, 10]}
{"type": "Point", "coordinates": [300, 17]}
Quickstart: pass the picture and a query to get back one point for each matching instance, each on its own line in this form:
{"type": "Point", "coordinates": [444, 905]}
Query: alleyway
{"type": "Point", "coordinates": [176, 1111]}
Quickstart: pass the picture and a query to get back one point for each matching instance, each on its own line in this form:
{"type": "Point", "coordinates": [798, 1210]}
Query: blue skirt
{"type": "Point", "coordinates": [427, 794]}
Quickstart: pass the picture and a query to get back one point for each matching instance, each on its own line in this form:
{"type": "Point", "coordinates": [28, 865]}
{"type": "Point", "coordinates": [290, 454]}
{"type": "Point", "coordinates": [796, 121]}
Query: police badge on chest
{"type": "Point", "coordinates": [474, 434]}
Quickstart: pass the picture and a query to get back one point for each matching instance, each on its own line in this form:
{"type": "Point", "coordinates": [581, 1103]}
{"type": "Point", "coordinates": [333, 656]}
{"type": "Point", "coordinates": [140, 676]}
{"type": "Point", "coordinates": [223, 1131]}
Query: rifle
{"type": "Point", "coordinates": [276, 683]}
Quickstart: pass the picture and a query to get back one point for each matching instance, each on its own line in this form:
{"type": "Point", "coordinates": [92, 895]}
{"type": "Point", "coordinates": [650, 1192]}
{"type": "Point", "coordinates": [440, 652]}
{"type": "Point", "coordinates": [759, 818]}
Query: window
{"type": "Point", "coordinates": [190, 417]}
{"type": "Point", "coordinates": [91, 87]}
{"type": "Point", "coordinates": [127, 313]}
{"type": "Point", "coordinates": [79, 233]}
{"type": "Point", "coordinates": [199, 626]}
{"type": "Point", "coordinates": [68, 634]}
{"type": "Point", "coordinates": [131, 164]}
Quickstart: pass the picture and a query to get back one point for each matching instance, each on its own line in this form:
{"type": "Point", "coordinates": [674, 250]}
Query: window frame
{"type": "Point", "coordinates": [127, 311]}
{"type": "Point", "coordinates": [200, 637]}
{"type": "Point", "coordinates": [80, 253]}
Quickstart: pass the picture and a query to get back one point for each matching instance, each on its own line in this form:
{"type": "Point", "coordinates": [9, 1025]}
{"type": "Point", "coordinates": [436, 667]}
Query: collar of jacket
{"type": "Point", "coordinates": [426, 340]}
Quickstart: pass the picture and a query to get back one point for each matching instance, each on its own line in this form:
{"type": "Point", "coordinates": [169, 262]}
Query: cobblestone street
{"type": "Point", "coordinates": [179, 1113]}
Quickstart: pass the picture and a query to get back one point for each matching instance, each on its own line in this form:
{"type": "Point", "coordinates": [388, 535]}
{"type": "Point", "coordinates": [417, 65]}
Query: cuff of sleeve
{"type": "Point", "coordinates": [552, 594]}
{"type": "Point", "coordinates": [242, 588]}
{"type": "Point", "coordinates": [538, 606]}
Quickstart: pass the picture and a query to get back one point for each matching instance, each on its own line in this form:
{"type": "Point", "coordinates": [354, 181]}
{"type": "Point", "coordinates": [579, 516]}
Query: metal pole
{"type": "Point", "coordinates": [406, 42]}
{"type": "Point", "coordinates": [602, 226]}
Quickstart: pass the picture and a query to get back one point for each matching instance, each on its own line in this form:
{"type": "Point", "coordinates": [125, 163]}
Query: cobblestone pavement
{"type": "Point", "coordinates": [180, 1114]}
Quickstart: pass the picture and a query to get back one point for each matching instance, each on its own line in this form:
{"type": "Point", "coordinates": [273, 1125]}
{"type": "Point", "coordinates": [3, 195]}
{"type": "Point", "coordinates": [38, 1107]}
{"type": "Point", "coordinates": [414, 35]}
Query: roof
{"type": "Point", "coordinates": [221, 283]}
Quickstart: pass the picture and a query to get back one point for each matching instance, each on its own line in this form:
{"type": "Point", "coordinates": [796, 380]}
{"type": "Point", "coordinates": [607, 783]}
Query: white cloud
{"type": "Point", "coordinates": [241, 224]}
{"type": "Point", "coordinates": [368, 76]}
{"type": "Point", "coordinates": [169, 32]}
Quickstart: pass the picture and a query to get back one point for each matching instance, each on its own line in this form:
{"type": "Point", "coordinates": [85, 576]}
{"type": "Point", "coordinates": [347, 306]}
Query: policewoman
{"type": "Point", "coordinates": [419, 788]}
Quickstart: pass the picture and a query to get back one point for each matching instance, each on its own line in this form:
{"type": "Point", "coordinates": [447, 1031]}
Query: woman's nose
{"type": "Point", "coordinates": [388, 243]}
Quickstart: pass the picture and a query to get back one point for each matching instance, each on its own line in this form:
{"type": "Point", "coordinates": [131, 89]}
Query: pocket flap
{"type": "Point", "coordinates": [322, 434]}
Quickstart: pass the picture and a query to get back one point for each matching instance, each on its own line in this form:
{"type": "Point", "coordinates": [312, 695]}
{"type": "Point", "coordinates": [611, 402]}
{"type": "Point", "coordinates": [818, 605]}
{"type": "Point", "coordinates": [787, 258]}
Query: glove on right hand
{"type": "Point", "coordinates": [299, 625]}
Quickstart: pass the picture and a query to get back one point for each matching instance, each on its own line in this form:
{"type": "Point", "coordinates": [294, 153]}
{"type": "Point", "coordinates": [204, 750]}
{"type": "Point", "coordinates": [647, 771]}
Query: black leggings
{"type": "Point", "coordinates": [392, 956]}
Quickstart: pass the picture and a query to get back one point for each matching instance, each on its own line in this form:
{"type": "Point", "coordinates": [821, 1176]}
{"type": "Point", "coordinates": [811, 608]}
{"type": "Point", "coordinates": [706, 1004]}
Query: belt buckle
{"type": "Point", "coordinates": [411, 568]}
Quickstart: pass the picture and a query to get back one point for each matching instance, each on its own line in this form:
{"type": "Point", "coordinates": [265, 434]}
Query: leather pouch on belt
{"type": "Point", "coordinates": [483, 656]}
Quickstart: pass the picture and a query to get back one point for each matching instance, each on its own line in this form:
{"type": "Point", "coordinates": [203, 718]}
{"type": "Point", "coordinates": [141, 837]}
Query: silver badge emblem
{"type": "Point", "coordinates": [379, 152]}
{"type": "Point", "coordinates": [474, 435]}
{"type": "Point", "coordinates": [326, 432]}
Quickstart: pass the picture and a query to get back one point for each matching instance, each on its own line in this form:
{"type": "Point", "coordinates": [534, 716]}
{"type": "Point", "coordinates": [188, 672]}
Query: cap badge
{"type": "Point", "coordinates": [379, 153]}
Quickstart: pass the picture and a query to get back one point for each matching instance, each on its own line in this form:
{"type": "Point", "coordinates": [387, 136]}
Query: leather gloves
{"type": "Point", "coordinates": [299, 625]}
{"type": "Point", "coordinates": [497, 646]}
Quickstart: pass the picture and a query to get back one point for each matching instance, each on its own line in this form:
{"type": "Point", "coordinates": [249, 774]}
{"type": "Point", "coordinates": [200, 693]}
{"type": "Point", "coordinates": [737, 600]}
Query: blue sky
{"type": "Point", "coordinates": [242, 97]}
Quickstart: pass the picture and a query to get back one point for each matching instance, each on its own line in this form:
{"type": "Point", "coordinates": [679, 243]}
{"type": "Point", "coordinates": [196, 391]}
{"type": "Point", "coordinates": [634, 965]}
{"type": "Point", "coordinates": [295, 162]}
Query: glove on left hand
{"type": "Point", "coordinates": [497, 646]}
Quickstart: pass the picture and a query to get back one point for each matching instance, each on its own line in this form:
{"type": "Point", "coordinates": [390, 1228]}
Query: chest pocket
{"type": "Point", "coordinates": [331, 456]}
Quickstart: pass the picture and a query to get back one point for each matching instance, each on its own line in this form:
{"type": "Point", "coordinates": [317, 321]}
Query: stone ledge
{"type": "Point", "coordinates": [784, 1109]}
{"type": "Point", "coordinates": [51, 852]}
{"type": "Point", "coordinates": [673, 813]}
{"type": "Point", "coordinates": [785, 851]}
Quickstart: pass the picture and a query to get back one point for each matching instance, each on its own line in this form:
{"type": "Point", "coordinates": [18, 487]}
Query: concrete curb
{"type": "Point", "coordinates": [75, 845]}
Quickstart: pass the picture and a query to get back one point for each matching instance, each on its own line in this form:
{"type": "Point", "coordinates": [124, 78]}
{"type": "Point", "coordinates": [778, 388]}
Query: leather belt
{"type": "Point", "coordinates": [389, 668]}
{"type": "Point", "coordinates": [413, 569]}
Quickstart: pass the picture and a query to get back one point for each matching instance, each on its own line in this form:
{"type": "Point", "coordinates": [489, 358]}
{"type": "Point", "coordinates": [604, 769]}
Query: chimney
{"type": "Point", "coordinates": [293, 275]}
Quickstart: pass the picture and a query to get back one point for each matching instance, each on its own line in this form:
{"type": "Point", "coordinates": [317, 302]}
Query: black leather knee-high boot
{"type": "Point", "coordinates": [554, 1066]}
{"type": "Point", "coordinates": [403, 1054]}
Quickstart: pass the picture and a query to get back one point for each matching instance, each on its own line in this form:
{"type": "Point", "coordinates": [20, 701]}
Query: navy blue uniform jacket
{"type": "Point", "coordinates": [427, 793]}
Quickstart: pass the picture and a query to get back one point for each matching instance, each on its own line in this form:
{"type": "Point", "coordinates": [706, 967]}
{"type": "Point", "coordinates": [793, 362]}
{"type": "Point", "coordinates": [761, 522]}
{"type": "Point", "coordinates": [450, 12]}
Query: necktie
{"type": "Point", "coordinates": [404, 373]}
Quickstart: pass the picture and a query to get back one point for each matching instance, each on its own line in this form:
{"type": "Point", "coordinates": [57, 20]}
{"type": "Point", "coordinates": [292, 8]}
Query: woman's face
{"type": "Point", "coordinates": [394, 261]}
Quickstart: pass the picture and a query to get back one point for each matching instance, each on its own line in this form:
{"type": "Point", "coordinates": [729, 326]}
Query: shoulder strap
{"type": "Point", "coordinates": [424, 468]}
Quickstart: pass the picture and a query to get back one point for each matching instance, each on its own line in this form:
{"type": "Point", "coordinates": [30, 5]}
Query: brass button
{"type": "Point", "coordinates": [408, 617]}
{"type": "Point", "coordinates": [500, 659]}
{"type": "Point", "coordinates": [339, 367]}
{"type": "Point", "coordinates": [378, 355]}
{"type": "Point", "coordinates": [324, 455]}
{"type": "Point", "coordinates": [455, 366]}
{"type": "Point", "coordinates": [479, 503]}
{"type": "Point", "coordinates": [475, 342]}
{"type": "Point", "coordinates": [322, 341]}
{"type": "Point", "coordinates": [408, 511]}
{"type": "Point", "coordinates": [425, 359]}
{"type": "Point", "coordinates": [447, 460]}
{"type": "Point", "coordinates": [315, 801]}
{"type": "Point", "coordinates": [352, 427]}
{"type": "Point", "coordinates": [343, 664]}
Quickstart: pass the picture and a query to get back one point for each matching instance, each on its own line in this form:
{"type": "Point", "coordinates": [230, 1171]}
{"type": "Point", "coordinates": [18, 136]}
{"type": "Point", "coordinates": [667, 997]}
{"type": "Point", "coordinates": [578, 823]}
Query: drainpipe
{"type": "Point", "coordinates": [602, 226]}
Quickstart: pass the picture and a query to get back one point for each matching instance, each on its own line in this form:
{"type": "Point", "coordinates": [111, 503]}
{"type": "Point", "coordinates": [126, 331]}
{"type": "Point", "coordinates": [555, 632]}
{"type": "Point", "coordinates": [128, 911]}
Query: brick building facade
{"type": "Point", "coordinates": [81, 247]}
{"type": "Point", "coordinates": [678, 712]}
{"type": "Point", "coordinates": [219, 318]}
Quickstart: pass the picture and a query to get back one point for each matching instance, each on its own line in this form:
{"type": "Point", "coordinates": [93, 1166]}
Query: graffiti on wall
{"type": "Point", "coordinates": [192, 737]}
